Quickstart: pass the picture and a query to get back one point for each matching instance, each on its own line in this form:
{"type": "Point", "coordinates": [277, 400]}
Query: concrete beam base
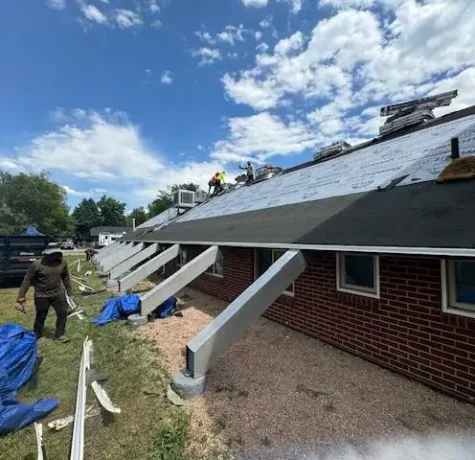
{"type": "Point", "coordinates": [227, 328]}
{"type": "Point", "coordinates": [131, 262]}
{"type": "Point", "coordinates": [149, 267]}
{"type": "Point", "coordinates": [152, 299]}
{"type": "Point", "coordinates": [186, 386]}
{"type": "Point", "coordinates": [119, 256]}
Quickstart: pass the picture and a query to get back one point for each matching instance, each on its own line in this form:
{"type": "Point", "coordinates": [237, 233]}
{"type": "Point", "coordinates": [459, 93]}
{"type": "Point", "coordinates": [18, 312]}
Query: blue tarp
{"type": "Point", "coordinates": [118, 308]}
{"type": "Point", "coordinates": [121, 307]}
{"type": "Point", "coordinates": [166, 309]}
{"type": "Point", "coordinates": [17, 362]}
{"type": "Point", "coordinates": [32, 231]}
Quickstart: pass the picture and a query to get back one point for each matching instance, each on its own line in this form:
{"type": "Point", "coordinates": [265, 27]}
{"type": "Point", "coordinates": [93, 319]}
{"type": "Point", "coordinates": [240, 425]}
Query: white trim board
{"type": "Point", "coordinates": [416, 251]}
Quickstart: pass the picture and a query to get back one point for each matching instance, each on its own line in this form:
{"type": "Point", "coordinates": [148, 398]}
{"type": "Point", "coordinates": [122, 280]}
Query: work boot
{"type": "Point", "coordinates": [62, 339]}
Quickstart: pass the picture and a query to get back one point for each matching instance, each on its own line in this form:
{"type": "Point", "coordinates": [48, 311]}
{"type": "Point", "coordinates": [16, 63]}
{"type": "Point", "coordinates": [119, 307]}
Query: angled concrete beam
{"type": "Point", "coordinates": [178, 280]}
{"type": "Point", "coordinates": [111, 253]}
{"type": "Point", "coordinates": [209, 344]}
{"type": "Point", "coordinates": [148, 268]}
{"type": "Point", "coordinates": [117, 257]}
{"type": "Point", "coordinates": [131, 262]}
{"type": "Point", "coordinates": [108, 250]}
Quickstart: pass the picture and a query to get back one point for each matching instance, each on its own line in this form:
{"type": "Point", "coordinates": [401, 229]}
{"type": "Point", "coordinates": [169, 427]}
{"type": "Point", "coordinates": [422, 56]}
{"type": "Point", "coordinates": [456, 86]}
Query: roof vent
{"type": "Point", "coordinates": [331, 150]}
{"type": "Point", "coordinates": [413, 113]}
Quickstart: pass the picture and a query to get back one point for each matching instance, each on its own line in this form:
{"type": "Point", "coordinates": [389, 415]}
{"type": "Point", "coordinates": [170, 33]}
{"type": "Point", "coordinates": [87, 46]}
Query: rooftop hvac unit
{"type": "Point", "coordinates": [184, 199]}
{"type": "Point", "coordinates": [200, 196]}
{"type": "Point", "coordinates": [330, 150]}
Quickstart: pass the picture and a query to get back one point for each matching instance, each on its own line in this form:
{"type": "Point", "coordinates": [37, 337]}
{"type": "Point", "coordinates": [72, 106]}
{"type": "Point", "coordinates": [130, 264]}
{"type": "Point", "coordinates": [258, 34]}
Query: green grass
{"type": "Point", "coordinates": [149, 427]}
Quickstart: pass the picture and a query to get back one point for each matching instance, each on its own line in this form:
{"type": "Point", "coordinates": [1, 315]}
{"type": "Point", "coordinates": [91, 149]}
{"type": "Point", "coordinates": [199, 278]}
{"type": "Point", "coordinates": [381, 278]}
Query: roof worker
{"type": "Point", "coordinates": [212, 183]}
{"type": "Point", "coordinates": [221, 176]}
{"type": "Point", "coordinates": [250, 172]}
{"type": "Point", "coordinates": [50, 278]}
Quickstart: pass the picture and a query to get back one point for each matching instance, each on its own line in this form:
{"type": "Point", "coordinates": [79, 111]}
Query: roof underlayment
{"type": "Point", "coordinates": [342, 201]}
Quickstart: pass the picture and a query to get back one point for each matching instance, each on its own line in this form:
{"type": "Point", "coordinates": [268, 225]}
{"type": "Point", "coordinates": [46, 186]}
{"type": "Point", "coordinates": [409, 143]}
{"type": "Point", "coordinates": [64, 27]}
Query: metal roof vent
{"type": "Point", "coordinates": [413, 113]}
{"type": "Point", "coordinates": [330, 150]}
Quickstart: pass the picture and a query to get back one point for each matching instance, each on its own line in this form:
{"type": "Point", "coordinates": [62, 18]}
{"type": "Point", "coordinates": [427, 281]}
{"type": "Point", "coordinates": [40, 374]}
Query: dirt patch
{"type": "Point", "coordinates": [277, 389]}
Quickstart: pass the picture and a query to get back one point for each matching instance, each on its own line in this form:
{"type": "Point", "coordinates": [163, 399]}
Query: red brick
{"type": "Point", "coordinates": [405, 330]}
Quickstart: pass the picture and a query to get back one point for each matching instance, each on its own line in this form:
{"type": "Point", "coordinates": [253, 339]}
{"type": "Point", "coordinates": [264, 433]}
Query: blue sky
{"type": "Point", "coordinates": [127, 97]}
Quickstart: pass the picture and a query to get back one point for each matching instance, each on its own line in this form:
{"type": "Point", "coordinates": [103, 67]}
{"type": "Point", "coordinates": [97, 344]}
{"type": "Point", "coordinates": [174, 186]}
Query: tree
{"type": "Point", "coordinates": [139, 214]}
{"type": "Point", "coordinates": [87, 216]}
{"type": "Point", "coordinates": [33, 199]}
{"type": "Point", "coordinates": [164, 200]}
{"type": "Point", "coordinates": [112, 212]}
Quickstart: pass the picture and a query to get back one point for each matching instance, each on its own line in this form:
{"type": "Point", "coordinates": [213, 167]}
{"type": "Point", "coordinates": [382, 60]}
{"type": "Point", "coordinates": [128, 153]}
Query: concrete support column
{"type": "Point", "coordinates": [213, 341]}
{"type": "Point", "coordinates": [119, 256]}
{"type": "Point", "coordinates": [131, 262]}
{"type": "Point", "coordinates": [179, 280]}
{"type": "Point", "coordinates": [104, 252]}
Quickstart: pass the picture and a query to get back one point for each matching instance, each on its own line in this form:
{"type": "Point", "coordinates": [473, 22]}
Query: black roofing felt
{"type": "Point", "coordinates": [420, 215]}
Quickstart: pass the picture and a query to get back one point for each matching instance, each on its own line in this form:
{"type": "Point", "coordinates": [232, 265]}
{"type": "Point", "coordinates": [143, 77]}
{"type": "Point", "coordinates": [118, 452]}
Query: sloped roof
{"type": "Point", "coordinates": [337, 202]}
{"type": "Point", "coordinates": [160, 219]}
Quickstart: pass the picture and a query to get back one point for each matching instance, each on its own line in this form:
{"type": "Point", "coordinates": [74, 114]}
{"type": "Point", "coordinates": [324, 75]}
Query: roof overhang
{"type": "Point", "coordinates": [400, 250]}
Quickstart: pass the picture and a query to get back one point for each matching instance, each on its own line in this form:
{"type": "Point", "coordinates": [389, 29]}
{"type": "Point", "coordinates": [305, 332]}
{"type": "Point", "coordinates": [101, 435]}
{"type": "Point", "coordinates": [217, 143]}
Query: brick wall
{"type": "Point", "coordinates": [405, 330]}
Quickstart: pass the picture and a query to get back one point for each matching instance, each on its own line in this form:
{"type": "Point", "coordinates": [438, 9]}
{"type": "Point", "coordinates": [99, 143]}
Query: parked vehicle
{"type": "Point", "coordinates": [17, 253]}
{"type": "Point", "coordinates": [67, 244]}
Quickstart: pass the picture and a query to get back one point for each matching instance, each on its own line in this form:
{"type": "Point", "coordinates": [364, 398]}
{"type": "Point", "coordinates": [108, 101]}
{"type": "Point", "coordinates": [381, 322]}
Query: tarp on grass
{"type": "Point", "coordinates": [17, 363]}
{"type": "Point", "coordinates": [118, 308]}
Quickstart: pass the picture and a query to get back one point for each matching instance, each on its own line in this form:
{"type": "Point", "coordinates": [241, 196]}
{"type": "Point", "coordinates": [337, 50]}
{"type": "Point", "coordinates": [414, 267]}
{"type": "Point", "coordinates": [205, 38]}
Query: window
{"type": "Point", "coordinates": [264, 258]}
{"type": "Point", "coordinates": [358, 274]}
{"type": "Point", "coordinates": [458, 286]}
{"type": "Point", "coordinates": [182, 258]}
{"type": "Point", "coordinates": [217, 269]}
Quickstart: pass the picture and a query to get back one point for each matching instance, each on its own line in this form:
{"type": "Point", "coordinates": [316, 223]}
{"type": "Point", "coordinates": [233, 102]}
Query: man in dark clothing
{"type": "Point", "coordinates": [50, 278]}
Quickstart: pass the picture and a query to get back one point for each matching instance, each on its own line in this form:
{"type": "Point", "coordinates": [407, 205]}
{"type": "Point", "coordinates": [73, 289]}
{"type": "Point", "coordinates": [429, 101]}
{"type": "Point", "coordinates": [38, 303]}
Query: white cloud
{"type": "Point", "coordinates": [266, 23]}
{"type": "Point", "coordinates": [230, 35]}
{"type": "Point", "coordinates": [108, 153]}
{"type": "Point", "coordinates": [56, 4]}
{"type": "Point", "coordinates": [207, 55]}
{"type": "Point", "coordinates": [349, 3]}
{"type": "Point", "coordinates": [393, 60]}
{"type": "Point", "coordinates": [154, 8]}
{"type": "Point", "coordinates": [127, 18]}
{"type": "Point", "coordinates": [156, 24]}
{"type": "Point", "coordinates": [93, 14]}
{"type": "Point", "coordinates": [295, 5]}
{"type": "Point", "coordinates": [262, 47]}
{"type": "Point", "coordinates": [255, 3]}
{"type": "Point", "coordinates": [258, 35]}
{"type": "Point", "coordinates": [293, 43]}
{"type": "Point", "coordinates": [76, 193]}
{"type": "Point", "coordinates": [262, 136]}
{"type": "Point", "coordinates": [167, 77]}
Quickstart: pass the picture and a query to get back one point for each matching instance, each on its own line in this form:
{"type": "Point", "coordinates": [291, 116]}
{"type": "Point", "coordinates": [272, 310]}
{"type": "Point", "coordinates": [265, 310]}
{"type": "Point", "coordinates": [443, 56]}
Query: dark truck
{"type": "Point", "coordinates": [17, 253]}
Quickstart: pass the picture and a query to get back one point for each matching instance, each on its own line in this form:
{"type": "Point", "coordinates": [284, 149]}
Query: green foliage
{"type": "Point", "coordinates": [87, 215]}
{"type": "Point", "coordinates": [139, 214]}
{"type": "Point", "coordinates": [112, 211]}
{"type": "Point", "coordinates": [33, 199]}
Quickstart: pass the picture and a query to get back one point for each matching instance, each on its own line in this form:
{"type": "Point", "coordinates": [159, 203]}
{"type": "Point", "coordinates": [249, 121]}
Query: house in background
{"type": "Point", "coordinates": [103, 236]}
{"type": "Point", "coordinates": [364, 248]}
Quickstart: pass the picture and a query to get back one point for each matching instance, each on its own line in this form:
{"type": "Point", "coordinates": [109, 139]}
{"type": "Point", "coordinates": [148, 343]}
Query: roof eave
{"type": "Point", "coordinates": [400, 250]}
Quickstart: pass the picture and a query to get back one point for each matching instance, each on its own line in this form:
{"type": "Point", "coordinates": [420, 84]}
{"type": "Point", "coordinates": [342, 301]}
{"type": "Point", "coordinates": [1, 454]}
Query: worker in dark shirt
{"type": "Point", "coordinates": [50, 278]}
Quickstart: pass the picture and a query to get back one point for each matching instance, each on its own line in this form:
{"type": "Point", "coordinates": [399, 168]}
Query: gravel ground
{"type": "Point", "coordinates": [280, 394]}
